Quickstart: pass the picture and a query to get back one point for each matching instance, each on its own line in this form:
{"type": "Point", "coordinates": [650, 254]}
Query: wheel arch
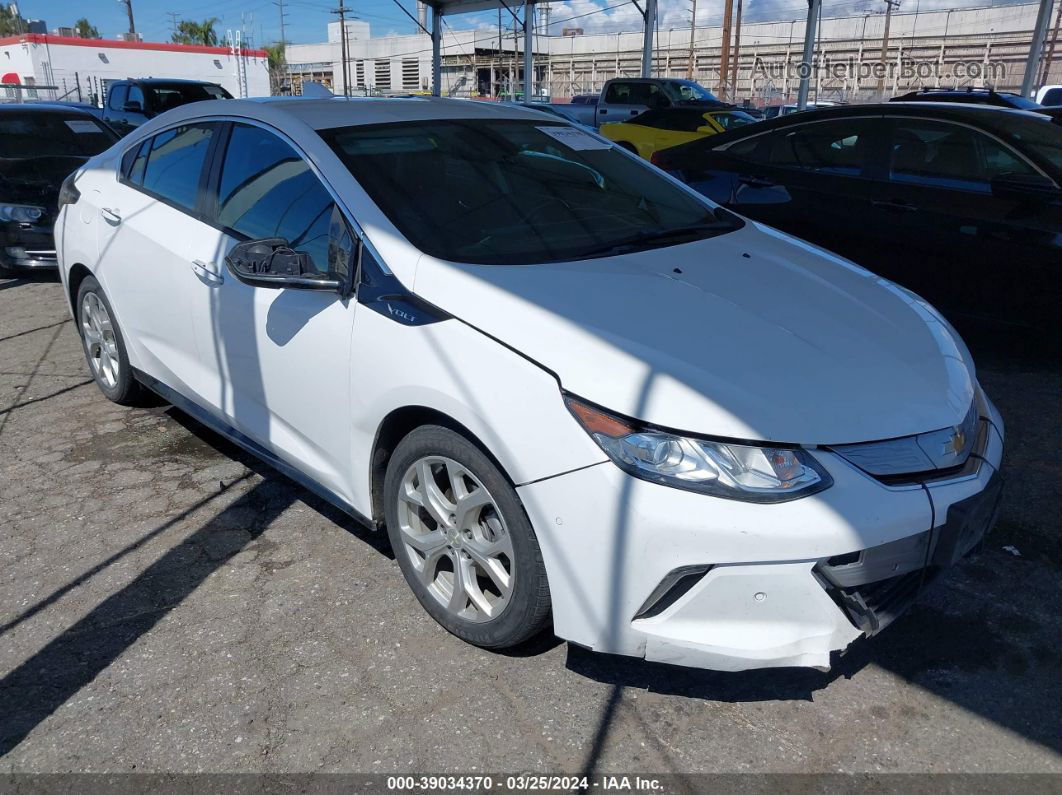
{"type": "Point", "coordinates": [398, 424]}
{"type": "Point", "coordinates": [78, 273]}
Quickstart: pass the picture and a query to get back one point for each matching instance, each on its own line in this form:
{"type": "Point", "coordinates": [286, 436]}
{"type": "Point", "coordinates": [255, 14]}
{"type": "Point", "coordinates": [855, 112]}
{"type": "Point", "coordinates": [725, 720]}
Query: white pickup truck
{"type": "Point", "coordinates": [624, 97]}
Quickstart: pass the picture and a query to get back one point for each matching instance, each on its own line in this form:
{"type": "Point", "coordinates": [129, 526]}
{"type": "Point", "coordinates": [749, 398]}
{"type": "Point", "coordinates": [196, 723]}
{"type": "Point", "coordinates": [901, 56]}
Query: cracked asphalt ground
{"type": "Point", "coordinates": [169, 604]}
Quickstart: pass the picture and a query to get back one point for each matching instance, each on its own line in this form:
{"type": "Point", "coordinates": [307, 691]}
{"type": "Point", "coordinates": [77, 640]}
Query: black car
{"type": "Point", "coordinates": [130, 103]}
{"type": "Point", "coordinates": [962, 204]}
{"type": "Point", "coordinates": [40, 145]}
{"type": "Point", "coordinates": [970, 96]}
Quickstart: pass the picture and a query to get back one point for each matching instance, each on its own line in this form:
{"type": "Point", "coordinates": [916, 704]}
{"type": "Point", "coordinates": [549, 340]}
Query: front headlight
{"type": "Point", "coordinates": [752, 473]}
{"type": "Point", "coordinates": [23, 213]}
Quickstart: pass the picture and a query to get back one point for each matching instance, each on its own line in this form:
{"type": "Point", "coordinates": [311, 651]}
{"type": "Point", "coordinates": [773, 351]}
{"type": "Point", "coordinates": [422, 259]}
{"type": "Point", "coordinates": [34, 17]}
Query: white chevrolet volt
{"type": "Point", "coordinates": [571, 389]}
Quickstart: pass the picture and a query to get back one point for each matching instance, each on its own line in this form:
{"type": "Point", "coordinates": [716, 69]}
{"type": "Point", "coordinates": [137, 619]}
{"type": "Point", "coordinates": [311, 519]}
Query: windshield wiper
{"type": "Point", "coordinates": [645, 238]}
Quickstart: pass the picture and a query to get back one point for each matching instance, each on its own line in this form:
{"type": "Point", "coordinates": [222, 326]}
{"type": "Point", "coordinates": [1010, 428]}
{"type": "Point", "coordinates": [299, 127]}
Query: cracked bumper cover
{"type": "Point", "coordinates": [757, 596]}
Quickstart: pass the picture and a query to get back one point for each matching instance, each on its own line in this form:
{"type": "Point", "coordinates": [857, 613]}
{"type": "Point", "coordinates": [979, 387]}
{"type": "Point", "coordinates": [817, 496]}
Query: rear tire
{"type": "Point", "coordinates": [455, 523]}
{"type": "Point", "coordinates": [104, 347]}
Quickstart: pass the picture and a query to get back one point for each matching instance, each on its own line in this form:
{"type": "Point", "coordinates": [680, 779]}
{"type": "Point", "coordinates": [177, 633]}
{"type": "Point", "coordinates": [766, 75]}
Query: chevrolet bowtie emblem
{"type": "Point", "coordinates": [957, 442]}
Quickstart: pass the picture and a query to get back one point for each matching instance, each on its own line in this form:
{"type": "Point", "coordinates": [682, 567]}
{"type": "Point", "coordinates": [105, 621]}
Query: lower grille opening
{"type": "Point", "coordinates": [673, 587]}
{"type": "Point", "coordinates": [874, 606]}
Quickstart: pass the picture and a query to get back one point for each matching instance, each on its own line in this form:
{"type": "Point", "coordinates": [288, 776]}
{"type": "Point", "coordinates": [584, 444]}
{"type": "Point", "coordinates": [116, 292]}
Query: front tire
{"type": "Point", "coordinates": [104, 346]}
{"type": "Point", "coordinates": [463, 540]}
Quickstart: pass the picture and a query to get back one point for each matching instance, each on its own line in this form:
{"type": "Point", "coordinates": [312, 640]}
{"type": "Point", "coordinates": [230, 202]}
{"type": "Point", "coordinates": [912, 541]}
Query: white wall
{"type": "Point", "coordinates": [51, 60]}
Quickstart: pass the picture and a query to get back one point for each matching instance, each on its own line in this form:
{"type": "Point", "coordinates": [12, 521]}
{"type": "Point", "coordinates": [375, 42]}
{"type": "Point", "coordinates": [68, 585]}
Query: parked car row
{"type": "Point", "coordinates": [40, 144]}
{"type": "Point", "coordinates": [960, 203]}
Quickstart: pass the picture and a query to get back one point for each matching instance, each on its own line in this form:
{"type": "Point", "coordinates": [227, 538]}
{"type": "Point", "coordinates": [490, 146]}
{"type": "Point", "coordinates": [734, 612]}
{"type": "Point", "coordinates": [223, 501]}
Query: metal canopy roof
{"type": "Point", "coordinates": [441, 8]}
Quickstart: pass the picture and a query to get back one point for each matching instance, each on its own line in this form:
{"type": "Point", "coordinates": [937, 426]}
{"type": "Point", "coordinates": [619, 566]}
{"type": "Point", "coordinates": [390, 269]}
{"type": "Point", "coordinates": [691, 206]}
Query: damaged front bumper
{"type": "Point", "coordinates": [641, 569]}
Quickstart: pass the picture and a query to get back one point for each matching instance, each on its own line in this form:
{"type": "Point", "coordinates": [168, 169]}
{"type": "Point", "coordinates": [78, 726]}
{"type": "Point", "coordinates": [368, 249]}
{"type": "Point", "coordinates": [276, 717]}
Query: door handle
{"type": "Point", "coordinates": [755, 182]}
{"type": "Point", "coordinates": [207, 271]}
{"type": "Point", "coordinates": [111, 214]}
{"type": "Point", "coordinates": [894, 204]}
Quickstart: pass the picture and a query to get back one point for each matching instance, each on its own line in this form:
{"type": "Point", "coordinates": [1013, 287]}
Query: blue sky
{"type": "Point", "coordinates": [306, 19]}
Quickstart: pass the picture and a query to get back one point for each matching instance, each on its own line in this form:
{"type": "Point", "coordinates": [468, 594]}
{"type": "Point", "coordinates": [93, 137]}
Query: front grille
{"type": "Point", "coordinates": [42, 254]}
{"type": "Point", "coordinates": [919, 459]}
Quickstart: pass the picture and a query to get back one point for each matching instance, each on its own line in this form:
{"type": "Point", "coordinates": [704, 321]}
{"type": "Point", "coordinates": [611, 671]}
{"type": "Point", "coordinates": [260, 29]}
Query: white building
{"type": "Point", "coordinates": [969, 46]}
{"type": "Point", "coordinates": [71, 68]}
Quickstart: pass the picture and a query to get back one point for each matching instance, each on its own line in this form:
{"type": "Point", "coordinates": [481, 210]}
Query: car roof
{"type": "Point", "coordinates": [988, 117]}
{"type": "Point", "coordinates": [326, 113]}
{"type": "Point", "coordinates": [168, 81]}
{"type": "Point", "coordinates": [45, 107]}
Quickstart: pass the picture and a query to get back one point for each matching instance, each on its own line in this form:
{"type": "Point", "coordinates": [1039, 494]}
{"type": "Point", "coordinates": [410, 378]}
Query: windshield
{"type": "Point", "coordinates": [164, 96]}
{"type": "Point", "coordinates": [688, 91]}
{"type": "Point", "coordinates": [511, 192]}
{"type": "Point", "coordinates": [46, 134]}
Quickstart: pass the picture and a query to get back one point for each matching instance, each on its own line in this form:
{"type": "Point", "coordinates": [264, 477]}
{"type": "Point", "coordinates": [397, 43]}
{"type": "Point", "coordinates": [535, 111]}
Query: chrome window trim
{"type": "Point", "coordinates": [359, 232]}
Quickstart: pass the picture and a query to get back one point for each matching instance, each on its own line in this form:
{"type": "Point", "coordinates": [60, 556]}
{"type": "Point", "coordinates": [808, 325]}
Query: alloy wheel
{"type": "Point", "coordinates": [456, 538]}
{"type": "Point", "coordinates": [100, 342]}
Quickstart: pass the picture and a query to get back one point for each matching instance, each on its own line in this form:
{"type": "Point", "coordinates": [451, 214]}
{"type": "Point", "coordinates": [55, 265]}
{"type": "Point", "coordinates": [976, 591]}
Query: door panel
{"type": "Point", "coordinates": [276, 361]}
{"type": "Point", "coordinates": [982, 259]}
{"type": "Point", "coordinates": [144, 239]}
{"type": "Point", "coordinates": [813, 181]}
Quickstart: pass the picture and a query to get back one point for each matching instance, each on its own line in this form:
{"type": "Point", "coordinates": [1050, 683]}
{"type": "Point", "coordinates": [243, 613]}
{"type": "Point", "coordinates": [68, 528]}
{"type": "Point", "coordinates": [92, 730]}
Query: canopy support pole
{"type": "Point", "coordinates": [436, 51]}
{"type": "Point", "coordinates": [647, 38]}
{"type": "Point", "coordinates": [529, 67]}
{"type": "Point", "coordinates": [809, 53]}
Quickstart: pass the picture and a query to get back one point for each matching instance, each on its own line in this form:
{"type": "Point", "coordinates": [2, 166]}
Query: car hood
{"type": "Point", "coordinates": [749, 335]}
{"type": "Point", "coordinates": [36, 180]}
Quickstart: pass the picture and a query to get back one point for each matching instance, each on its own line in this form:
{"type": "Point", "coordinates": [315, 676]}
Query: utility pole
{"type": "Point", "coordinates": [342, 11]}
{"type": "Point", "coordinates": [173, 15]}
{"type": "Point", "coordinates": [129, 10]}
{"type": "Point", "coordinates": [889, 5]}
{"type": "Point", "coordinates": [724, 53]}
{"type": "Point", "coordinates": [283, 39]}
{"type": "Point", "coordinates": [282, 67]}
{"type": "Point", "coordinates": [693, 30]}
{"type": "Point", "coordinates": [1036, 48]}
{"type": "Point", "coordinates": [1046, 74]}
{"type": "Point", "coordinates": [737, 53]}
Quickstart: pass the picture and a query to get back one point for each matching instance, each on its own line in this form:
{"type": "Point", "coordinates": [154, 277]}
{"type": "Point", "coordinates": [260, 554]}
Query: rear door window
{"type": "Point", "coordinates": [174, 163]}
{"type": "Point", "coordinates": [944, 155]}
{"type": "Point", "coordinates": [832, 147]}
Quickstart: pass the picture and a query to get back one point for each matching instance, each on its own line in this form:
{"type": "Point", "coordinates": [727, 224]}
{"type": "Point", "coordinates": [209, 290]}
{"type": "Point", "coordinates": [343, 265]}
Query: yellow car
{"type": "Point", "coordinates": [654, 130]}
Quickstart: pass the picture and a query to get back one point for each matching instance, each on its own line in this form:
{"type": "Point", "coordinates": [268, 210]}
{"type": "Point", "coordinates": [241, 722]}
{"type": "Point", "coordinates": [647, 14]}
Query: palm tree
{"type": "Point", "coordinates": [198, 33]}
{"type": "Point", "coordinates": [275, 55]}
{"type": "Point", "coordinates": [85, 29]}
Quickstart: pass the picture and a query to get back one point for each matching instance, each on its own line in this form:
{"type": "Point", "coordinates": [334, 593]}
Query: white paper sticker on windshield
{"type": "Point", "coordinates": [82, 126]}
{"type": "Point", "coordinates": [574, 138]}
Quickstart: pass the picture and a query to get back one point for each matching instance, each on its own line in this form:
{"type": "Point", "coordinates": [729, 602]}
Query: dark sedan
{"type": "Point", "coordinates": [40, 145]}
{"type": "Point", "coordinates": [960, 203]}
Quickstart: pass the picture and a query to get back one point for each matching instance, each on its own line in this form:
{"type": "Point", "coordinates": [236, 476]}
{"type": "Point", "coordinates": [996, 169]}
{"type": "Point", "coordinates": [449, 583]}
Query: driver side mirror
{"type": "Point", "coordinates": [271, 262]}
{"type": "Point", "coordinates": [1025, 187]}
{"type": "Point", "coordinates": [132, 106]}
